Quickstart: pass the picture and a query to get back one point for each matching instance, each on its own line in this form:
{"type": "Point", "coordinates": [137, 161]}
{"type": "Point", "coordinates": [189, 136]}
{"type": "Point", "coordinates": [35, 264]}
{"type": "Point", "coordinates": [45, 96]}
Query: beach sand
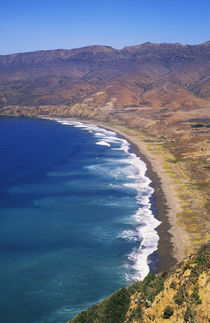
{"type": "Point", "coordinates": [172, 238]}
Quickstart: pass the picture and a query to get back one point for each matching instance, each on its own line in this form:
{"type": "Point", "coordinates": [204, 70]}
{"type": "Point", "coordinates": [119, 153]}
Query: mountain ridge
{"type": "Point", "coordinates": [206, 43]}
{"type": "Point", "coordinates": [143, 75]}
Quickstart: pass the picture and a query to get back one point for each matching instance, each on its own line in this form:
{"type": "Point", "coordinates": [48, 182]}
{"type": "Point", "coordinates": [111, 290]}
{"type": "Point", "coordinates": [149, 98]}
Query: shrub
{"type": "Point", "coordinates": [195, 296]}
{"type": "Point", "coordinates": [172, 285]}
{"type": "Point", "coordinates": [179, 300]}
{"type": "Point", "coordinates": [197, 125]}
{"type": "Point", "coordinates": [159, 288]}
{"type": "Point", "coordinates": [116, 306]}
{"type": "Point", "coordinates": [189, 315]}
{"type": "Point", "coordinates": [202, 259]}
{"type": "Point", "coordinates": [164, 274]}
{"type": "Point", "coordinates": [168, 312]}
{"type": "Point", "coordinates": [180, 296]}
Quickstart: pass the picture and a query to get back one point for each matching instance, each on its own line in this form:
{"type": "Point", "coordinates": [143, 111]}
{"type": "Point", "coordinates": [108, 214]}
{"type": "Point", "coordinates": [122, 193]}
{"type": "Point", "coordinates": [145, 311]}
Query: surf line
{"type": "Point", "coordinates": [146, 224]}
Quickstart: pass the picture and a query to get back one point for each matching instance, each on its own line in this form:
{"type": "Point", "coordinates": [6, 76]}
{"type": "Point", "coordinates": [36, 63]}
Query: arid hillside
{"type": "Point", "coordinates": [179, 296]}
{"type": "Point", "coordinates": [152, 75]}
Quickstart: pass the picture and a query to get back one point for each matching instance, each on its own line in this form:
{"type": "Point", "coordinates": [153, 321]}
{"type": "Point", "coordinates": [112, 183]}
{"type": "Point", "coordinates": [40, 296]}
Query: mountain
{"type": "Point", "coordinates": [156, 75]}
{"type": "Point", "coordinates": [158, 94]}
{"type": "Point", "coordinates": [179, 296]}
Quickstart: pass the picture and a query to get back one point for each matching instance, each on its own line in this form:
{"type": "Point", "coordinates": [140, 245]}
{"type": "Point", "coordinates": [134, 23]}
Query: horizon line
{"type": "Point", "coordinates": [106, 46]}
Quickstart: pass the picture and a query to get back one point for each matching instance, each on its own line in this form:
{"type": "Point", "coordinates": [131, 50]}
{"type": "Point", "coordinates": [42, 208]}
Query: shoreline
{"type": "Point", "coordinates": [165, 250]}
{"type": "Point", "coordinates": [171, 238]}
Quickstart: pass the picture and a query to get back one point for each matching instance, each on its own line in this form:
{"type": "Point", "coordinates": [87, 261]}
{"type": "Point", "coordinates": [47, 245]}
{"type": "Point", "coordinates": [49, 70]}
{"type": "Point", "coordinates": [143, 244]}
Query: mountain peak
{"type": "Point", "coordinates": [95, 49]}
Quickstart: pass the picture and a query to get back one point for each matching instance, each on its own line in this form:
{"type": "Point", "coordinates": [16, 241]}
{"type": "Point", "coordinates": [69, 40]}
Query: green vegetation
{"type": "Point", "coordinates": [197, 125]}
{"type": "Point", "coordinates": [112, 309]}
{"type": "Point", "coordinates": [172, 285]}
{"type": "Point", "coordinates": [202, 258]}
{"type": "Point", "coordinates": [151, 286]}
{"type": "Point", "coordinates": [117, 307]}
{"type": "Point", "coordinates": [189, 315]}
{"type": "Point", "coordinates": [200, 125]}
{"type": "Point", "coordinates": [202, 264]}
{"type": "Point", "coordinates": [180, 296]}
{"type": "Point", "coordinates": [168, 312]}
{"type": "Point", "coordinates": [195, 296]}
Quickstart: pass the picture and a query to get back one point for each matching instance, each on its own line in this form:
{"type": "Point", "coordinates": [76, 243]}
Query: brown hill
{"type": "Point", "coordinates": [156, 75]}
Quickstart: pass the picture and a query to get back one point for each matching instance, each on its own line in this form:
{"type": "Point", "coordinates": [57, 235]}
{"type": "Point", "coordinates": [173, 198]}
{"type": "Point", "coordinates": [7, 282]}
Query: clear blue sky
{"type": "Point", "coordinates": [28, 25]}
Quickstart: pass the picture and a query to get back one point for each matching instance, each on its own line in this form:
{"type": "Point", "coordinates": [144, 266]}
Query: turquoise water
{"type": "Point", "coordinates": [76, 218]}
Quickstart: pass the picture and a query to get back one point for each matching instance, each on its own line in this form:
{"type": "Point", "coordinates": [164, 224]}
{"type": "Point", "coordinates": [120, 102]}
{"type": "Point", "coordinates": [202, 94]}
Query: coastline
{"type": "Point", "coordinates": [169, 252]}
{"type": "Point", "coordinates": [171, 237]}
{"type": "Point", "coordinates": [173, 240]}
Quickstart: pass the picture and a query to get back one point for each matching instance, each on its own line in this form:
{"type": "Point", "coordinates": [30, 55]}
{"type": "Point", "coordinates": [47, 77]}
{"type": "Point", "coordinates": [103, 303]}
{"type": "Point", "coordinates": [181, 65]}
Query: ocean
{"type": "Point", "coordinates": [77, 218]}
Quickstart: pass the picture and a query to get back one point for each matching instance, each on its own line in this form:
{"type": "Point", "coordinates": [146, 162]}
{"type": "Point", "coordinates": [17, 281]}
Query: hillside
{"type": "Point", "coordinates": [179, 296]}
{"type": "Point", "coordinates": [151, 75]}
{"type": "Point", "coordinates": [157, 95]}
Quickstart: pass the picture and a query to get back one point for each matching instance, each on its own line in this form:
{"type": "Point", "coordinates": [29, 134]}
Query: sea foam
{"type": "Point", "coordinates": [102, 143]}
{"type": "Point", "coordinates": [135, 170]}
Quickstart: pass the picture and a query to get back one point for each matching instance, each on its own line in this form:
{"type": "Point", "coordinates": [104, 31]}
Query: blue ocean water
{"type": "Point", "coordinates": [75, 218]}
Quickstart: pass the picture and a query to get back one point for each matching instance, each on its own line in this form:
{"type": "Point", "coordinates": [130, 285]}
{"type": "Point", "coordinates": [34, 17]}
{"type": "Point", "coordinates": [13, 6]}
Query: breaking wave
{"type": "Point", "coordinates": [134, 170]}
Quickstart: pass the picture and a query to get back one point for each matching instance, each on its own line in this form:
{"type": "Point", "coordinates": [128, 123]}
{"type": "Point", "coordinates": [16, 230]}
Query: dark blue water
{"type": "Point", "coordinates": [69, 208]}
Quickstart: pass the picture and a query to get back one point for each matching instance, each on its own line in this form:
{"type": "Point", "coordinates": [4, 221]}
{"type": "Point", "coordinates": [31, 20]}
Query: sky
{"type": "Point", "coordinates": [28, 25]}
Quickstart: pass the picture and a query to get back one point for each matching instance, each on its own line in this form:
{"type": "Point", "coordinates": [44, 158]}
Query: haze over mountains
{"type": "Point", "coordinates": [150, 75]}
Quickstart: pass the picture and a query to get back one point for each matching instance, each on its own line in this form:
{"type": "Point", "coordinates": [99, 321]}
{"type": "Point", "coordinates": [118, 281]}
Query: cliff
{"type": "Point", "coordinates": [179, 296]}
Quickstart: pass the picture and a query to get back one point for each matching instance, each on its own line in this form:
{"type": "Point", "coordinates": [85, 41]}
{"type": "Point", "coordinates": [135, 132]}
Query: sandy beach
{"type": "Point", "coordinates": [172, 239]}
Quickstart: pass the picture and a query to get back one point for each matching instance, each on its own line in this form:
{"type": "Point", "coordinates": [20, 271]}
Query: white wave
{"type": "Point", "coordinates": [117, 148]}
{"type": "Point", "coordinates": [103, 143]}
{"type": "Point", "coordinates": [115, 186]}
{"type": "Point", "coordinates": [129, 235]}
{"type": "Point", "coordinates": [114, 171]}
{"type": "Point", "coordinates": [146, 222]}
{"type": "Point", "coordinates": [98, 134]}
{"type": "Point", "coordinates": [145, 230]}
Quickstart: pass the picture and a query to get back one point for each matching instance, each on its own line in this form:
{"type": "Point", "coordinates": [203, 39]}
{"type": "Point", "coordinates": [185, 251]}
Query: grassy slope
{"type": "Point", "coordinates": [180, 296]}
